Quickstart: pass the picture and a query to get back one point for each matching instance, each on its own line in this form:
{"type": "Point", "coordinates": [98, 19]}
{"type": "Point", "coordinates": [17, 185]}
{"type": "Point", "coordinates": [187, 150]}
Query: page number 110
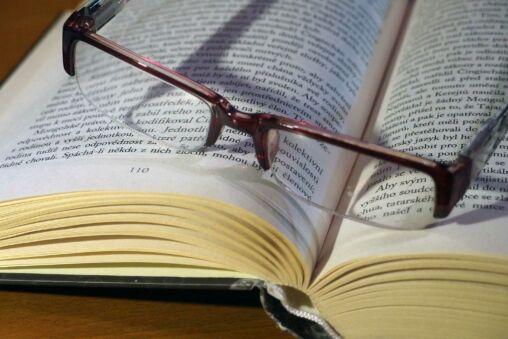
{"type": "Point", "coordinates": [139, 170]}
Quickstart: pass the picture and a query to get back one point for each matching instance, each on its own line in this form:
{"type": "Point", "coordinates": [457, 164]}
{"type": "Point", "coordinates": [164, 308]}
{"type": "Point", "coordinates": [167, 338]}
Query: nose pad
{"type": "Point", "coordinates": [215, 128]}
{"type": "Point", "coordinates": [272, 145]}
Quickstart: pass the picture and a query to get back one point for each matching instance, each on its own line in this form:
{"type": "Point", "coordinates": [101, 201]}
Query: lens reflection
{"type": "Point", "coordinates": [143, 102]}
{"type": "Point", "coordinates": [377, 192]}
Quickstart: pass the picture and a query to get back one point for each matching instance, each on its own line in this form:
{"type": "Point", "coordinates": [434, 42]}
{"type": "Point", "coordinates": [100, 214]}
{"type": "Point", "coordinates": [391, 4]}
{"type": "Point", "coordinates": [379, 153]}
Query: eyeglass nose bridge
{"type": "Point", "coordinates": [256, 125]}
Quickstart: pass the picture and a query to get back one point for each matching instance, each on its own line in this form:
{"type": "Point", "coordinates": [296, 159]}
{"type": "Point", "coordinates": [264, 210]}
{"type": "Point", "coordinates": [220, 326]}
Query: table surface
{"type": "Point", "coordinates": [78, 312]}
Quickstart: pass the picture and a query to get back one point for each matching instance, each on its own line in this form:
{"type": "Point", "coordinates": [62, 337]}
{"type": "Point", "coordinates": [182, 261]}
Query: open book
{"type": "Point", "coordinates": [84, 196]}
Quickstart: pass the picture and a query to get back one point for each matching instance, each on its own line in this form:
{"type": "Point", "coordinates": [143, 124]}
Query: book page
{"type": "Point", "coordinates": [301, 59]}
{"type": "Point", "coordinates": [452, 74]}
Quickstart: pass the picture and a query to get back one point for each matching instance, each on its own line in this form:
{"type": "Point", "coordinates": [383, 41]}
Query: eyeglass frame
{"type": "Point", "coordinates": [451, 180]}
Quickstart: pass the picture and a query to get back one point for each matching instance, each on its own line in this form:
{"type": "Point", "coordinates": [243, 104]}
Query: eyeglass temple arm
{"type": "Point", "coordinates": [485, 142]}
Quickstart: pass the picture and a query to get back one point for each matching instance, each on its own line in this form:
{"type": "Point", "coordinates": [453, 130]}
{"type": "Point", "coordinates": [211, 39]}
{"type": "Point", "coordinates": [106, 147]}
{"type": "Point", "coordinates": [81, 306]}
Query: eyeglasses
{"type": "Point", "coordinates": [395, 189]}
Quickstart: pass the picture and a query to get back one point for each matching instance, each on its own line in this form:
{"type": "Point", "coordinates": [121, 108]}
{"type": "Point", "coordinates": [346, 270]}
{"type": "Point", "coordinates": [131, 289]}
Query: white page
{"type": "Point", "coordinates": [48, 148]}
{"type": "Point", "coordinates": [443, 81]}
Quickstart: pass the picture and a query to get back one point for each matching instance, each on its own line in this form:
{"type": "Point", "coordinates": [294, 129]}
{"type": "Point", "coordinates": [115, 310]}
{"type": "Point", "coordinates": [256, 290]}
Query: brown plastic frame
{"type": "Point", "coordinates": [451, 181]}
